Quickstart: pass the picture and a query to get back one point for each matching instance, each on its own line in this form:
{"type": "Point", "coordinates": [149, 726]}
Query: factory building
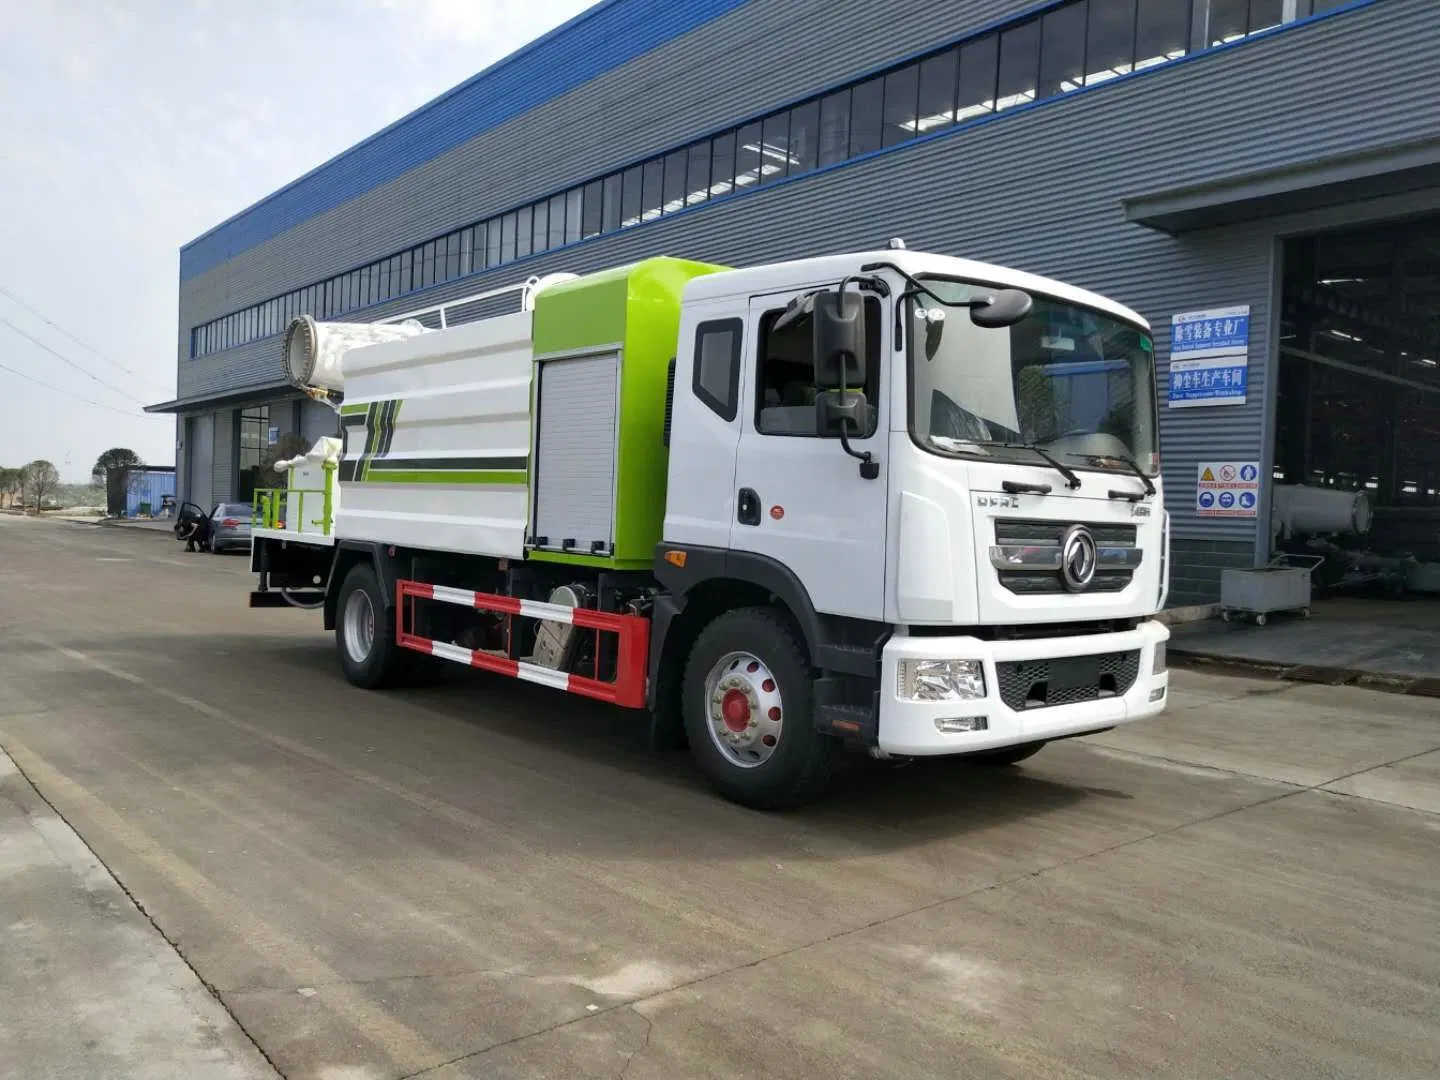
{"type": "Point", "coordinates": [1259, 178]}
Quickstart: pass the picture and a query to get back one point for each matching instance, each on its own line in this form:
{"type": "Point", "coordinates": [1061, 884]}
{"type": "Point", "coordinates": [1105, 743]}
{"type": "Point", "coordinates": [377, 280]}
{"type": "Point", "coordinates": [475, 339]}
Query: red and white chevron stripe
{"type": "Point", "coordinates": [632, 631]}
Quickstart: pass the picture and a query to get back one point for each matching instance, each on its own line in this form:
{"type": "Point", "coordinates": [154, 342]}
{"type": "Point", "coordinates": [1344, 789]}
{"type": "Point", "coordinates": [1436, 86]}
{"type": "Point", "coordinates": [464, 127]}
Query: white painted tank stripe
{"type": "Point", "coordinates": [558, 680]}
{"type": "Point", "coordinates": [457, 653]}
{"type": "Point", "coordinates": [551, 612]}
{"type": "Point", "coordinates": [533, 609]}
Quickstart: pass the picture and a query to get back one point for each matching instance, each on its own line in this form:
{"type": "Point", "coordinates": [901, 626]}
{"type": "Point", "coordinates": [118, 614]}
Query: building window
{"type": "Point", "coordinates": [775, 148]}
{"type": "Point", "coordinates": [1019, 66]}
{"type": "Point", "coordinates": [1062, 49]}
{"type": "Point", "coordinates": [253, 437]}
{"type": "Point", "coordinates": [1162, 32]}
{"type": "Point", "coordinates": [674, 196]}
{"type": "Point", "coordinates": [747, 156]}
{"type": "Point", "coordinates": [867, 117]}
{"type": "Point", "coordinates": [593, 212]}
{"type": "Point", "coordinates": [631, 200]}
{"type": "Point", "coordinates": [697, 174]}
{"type": "Point", "coordinates": [939, 77]}
{"type": "Point", "coordinates": [716, 381]}
{"type": "Point", "coordinates": [524, 232]}
{"type": "Point", "coordinates": [610, 220]}
{"type": "Point", "coordinates": [786, 392]}
{"type": "Point", "coordinates": [1109, 41]}
{"type": "Point", "coordinates": [902, 95]}
{"type": "Point", "coordinates": [722, 165]}
{"type": "Point", "coordinates": [834, 128]}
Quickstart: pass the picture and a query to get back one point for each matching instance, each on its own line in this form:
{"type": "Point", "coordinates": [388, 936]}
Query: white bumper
{"type": "Point", "coordinates": [910, 727]}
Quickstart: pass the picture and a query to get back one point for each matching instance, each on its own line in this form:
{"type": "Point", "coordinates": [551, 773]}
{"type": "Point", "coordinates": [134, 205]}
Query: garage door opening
{"type": "Point", "coordinates": [1357, 433]}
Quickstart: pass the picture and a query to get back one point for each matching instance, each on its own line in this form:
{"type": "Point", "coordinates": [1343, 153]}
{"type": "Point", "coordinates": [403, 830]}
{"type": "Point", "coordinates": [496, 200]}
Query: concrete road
{"type": "Point", "coordinates": [485, 879]}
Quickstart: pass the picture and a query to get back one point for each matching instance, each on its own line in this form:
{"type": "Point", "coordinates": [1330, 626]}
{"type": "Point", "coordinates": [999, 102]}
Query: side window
{"type": "Point", "coordinates": [786, 374]}
{"type": "Point", "coordinates": [716, 381]}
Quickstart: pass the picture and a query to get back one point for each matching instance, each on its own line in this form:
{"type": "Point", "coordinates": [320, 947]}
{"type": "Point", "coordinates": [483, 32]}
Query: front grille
{"type": "Point", "coordinates": [1039, 684]}
{"type": "Point", "coordinates": [1026, 556]}
{"type": "Point", "coordinates": [1031, 584]}
{"type": "Point", "coordinates": [1024, 531]}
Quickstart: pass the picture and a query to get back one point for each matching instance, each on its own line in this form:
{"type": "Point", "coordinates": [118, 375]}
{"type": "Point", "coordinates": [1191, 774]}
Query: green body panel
{"type": "Point", "coordinates": [636, 307]}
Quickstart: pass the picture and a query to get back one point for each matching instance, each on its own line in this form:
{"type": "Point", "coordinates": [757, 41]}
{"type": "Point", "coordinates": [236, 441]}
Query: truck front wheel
{"type": "Point", "coordinates": [749, 712]}
{"type": "Point", "coordinates": [364, 634]}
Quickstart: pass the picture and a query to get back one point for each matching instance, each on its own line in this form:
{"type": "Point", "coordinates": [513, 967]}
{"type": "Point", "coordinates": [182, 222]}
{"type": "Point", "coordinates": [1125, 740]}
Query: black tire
{"type": "Point", "coordinates": [799, 768]}
{"type": "Point", "coordinates": [385, 664]}
{"type": "Point", "coordinates": [1006, 755]}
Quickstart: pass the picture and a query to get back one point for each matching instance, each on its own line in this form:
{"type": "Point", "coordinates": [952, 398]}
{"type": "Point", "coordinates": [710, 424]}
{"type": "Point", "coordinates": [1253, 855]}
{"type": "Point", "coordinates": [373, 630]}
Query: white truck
{"type": "Point", "coordinates": [888, 500]}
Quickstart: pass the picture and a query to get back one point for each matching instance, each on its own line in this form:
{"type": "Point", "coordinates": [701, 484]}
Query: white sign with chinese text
{"type": "Point", "coordinates": [1209, 357]}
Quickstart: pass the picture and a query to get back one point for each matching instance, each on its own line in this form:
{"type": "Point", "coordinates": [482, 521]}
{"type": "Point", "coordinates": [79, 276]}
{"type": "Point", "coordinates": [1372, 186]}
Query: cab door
{"type": "Point", "coordinates": [799, 499]}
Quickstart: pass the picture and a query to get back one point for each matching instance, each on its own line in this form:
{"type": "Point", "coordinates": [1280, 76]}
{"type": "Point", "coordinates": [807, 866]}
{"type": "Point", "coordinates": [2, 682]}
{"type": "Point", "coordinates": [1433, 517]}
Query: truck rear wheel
{"type": "Point", "coordinates": [364, 635]}
{"type": "Point", "coordinates": [749, 712]}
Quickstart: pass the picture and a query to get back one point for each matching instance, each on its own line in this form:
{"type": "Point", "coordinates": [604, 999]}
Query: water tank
{"type": "Point", "coordinates": [1297, 508]}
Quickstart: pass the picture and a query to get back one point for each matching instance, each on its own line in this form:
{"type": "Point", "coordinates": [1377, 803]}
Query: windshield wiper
{"type": "Point", "coordinates": [1072, 480]}
{"type": "Point", "coordinates": [1131, 464]}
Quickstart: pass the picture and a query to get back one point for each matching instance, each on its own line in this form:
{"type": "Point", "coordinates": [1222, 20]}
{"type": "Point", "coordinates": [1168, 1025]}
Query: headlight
{"type": "Point", "coordinates": [1159, 665]}
{"type": "Point", "coordinates": [941, 680]}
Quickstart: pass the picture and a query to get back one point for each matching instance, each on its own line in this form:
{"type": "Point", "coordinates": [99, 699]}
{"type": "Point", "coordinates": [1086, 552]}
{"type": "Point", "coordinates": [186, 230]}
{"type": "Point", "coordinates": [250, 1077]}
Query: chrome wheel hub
{"type": "Point", "coordinates": [359, 622]}
{"type": "Point", "coordinates": [744, 711]}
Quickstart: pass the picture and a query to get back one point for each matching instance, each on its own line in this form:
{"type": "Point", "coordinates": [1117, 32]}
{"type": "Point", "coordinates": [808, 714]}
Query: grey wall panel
{"type": "Point", "coordinates": [765, 53]}
{"type": "Point", "coordinates": [222, 471]}
{"type": "Point", "coordinates": [200, 456]}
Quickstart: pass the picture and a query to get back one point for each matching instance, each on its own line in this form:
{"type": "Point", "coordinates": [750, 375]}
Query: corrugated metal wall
{"type": "Point", "coordinates": [198, 478]}
{"type": "Point", "coordinates": [148, 490]}
{"type": "Point", "coordinates": [222, 470]}
{"type": "Point", "coordinates": [1038, 188]}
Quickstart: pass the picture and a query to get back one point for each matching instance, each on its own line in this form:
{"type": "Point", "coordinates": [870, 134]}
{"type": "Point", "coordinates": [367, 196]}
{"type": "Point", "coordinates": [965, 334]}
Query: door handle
{"type": "Point", "coordinates": [747, 507]}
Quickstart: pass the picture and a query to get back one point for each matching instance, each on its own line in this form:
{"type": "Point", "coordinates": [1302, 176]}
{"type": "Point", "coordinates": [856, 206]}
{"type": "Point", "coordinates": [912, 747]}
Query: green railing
{"type": "Point", "coordinates": [272, 504]}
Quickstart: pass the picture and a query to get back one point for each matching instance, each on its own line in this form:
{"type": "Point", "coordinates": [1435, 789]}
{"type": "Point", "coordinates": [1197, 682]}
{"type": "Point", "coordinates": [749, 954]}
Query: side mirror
{"type": "Point", "coordinates": [846, 412]}
{"type": "Point", "coordinates": [1006, 308]}
{"type": "Point", "coordinates": [839, 325]}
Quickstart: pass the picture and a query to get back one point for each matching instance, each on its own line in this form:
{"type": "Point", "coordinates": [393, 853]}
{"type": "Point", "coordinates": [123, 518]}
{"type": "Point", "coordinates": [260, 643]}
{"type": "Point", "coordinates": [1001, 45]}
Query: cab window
{"type": "Point", "coordinates": [785, 374]}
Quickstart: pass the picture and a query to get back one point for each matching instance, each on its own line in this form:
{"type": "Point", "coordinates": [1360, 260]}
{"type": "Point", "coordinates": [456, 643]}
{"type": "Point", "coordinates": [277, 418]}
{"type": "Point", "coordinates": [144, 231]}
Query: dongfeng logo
{"type": "Point", "coordinates": [1078, 558]}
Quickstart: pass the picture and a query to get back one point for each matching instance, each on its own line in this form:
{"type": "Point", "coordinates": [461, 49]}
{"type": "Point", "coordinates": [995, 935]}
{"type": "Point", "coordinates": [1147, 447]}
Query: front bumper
{"type": "Point", "coordinates": [910, 727]}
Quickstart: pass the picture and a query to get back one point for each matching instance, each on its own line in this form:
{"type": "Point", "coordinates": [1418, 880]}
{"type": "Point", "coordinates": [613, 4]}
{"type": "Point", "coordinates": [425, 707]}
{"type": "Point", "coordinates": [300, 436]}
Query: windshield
{"type": "Point", "coordinates": [1068, 380]}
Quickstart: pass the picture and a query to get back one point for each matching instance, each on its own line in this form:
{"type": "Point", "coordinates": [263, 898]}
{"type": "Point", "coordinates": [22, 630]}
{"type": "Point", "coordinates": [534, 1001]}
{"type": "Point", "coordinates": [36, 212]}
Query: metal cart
{"type": "Point", "coordinates": [1283, 584]}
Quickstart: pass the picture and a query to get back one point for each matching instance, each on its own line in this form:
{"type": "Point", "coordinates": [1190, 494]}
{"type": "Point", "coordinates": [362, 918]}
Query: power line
{"type": "Point", "coordinates": [61, 330]}
{"type": "Point", "coordinates": [67, 393]}
{"type": "Point", "coordinates": [65, 359]}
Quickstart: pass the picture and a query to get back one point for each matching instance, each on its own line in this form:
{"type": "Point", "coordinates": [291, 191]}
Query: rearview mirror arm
{"type": "Point", "coordinates": [869, 467]}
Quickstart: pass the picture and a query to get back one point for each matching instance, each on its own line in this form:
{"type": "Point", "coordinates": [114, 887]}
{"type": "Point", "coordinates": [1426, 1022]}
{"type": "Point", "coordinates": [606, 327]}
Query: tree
{"type": "Point", "coordinates": [117, 457]}
{"type": "Point", "coordinates": [11, 482]}
{"type": "Point", "coordinates": [41, 478]}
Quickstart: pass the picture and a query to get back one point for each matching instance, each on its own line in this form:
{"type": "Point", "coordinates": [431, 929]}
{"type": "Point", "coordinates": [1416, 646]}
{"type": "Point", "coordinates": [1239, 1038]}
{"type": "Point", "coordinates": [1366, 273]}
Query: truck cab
{"type": "Point", "coordinates": [948, 473]}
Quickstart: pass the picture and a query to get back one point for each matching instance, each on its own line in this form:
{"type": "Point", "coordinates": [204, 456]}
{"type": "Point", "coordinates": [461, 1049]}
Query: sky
{"type": "Point", "coordinates": [130, 127]}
